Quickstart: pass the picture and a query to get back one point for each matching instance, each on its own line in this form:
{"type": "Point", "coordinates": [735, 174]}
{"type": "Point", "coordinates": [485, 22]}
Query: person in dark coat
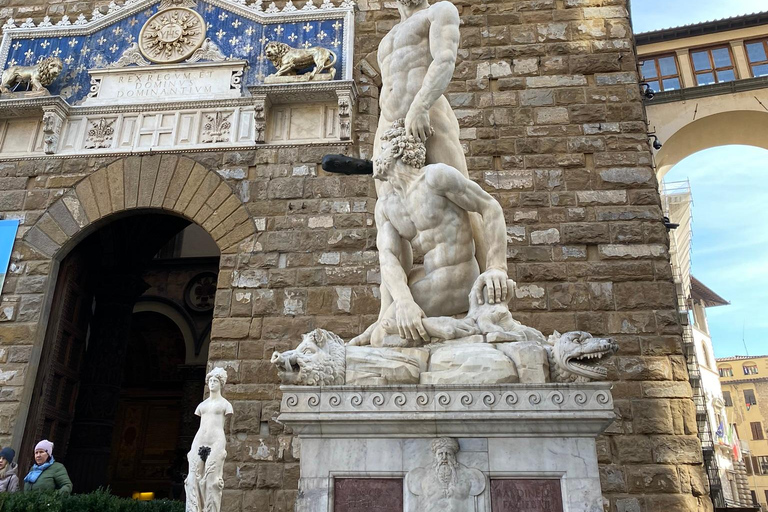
{"type": "Point", "coordinates": [47, 474]}
{"type": "Point", "coordinates": [9, 480]}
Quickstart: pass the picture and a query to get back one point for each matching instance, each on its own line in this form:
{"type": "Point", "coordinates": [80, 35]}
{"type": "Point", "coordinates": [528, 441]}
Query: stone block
{"type": "Point", "coordinates": [652, 479]}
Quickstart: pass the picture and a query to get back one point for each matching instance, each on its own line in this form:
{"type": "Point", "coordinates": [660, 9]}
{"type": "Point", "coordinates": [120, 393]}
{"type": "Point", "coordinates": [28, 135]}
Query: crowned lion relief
{"type": "Point", "coordinates": [39, 76]}
{"type": "Point", "coordinates": [289, 61]}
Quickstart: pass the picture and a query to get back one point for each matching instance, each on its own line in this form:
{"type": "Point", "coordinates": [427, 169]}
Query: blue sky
{"type": "Point", "coordinates": [655, 14]}
{"type": "Point", "coordinates": [729, 188]}
{"type": "Point", "coordinates": [730, 241]}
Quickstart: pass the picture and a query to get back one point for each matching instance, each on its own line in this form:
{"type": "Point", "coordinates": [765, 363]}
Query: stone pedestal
{"type": "Point", "coordinates": [527, 448]}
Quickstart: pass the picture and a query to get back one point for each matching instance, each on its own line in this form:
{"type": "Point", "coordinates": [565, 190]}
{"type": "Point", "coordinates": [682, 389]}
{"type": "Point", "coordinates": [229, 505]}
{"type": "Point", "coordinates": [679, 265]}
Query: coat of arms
{"type": "Point", "coordinates": [172, 35]}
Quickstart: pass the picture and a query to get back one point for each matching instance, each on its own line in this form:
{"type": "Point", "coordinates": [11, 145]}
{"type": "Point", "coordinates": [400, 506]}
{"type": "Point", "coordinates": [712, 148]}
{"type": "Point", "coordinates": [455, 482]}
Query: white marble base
{"type": "Point", "coordinates": [506, 431]}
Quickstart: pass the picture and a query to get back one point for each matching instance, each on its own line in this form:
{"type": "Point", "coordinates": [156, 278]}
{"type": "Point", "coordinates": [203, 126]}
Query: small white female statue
{"type": "Point", "coordinates": [205, 481]}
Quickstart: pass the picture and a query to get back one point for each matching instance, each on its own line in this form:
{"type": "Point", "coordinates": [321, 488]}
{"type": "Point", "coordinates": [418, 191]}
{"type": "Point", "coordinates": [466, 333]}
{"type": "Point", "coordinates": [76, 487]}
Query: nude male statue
{"type": "Point", "coordinates": [417, 59]}
{"type": "Point", "coordinates": [426, 212]}
{"type": "Point", "coordinates": [446, 485]}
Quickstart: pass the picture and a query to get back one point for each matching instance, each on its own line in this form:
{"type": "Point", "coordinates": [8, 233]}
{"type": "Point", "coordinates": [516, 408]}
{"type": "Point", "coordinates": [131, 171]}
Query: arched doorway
{"type": "Point", "coordinates": [117, 385]}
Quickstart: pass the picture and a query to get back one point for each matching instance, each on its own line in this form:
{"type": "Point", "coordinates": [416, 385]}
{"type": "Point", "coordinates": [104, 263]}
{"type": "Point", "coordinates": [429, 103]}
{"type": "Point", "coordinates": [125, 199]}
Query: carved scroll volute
{"type": "Point", "coordinates": [346, 106]}
{"type": "Point", "coordinates": [261, 105]}
{"type": "Point", "coordinates": [53, 121]}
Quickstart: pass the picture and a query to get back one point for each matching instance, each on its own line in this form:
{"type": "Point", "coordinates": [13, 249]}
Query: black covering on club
{"type": "Point", "coordinates": [340, 164]}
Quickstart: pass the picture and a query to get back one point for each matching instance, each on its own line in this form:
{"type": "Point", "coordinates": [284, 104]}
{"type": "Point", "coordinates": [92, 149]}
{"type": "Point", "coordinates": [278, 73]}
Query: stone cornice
{"type": "Point", "coordinates": [548, 410]}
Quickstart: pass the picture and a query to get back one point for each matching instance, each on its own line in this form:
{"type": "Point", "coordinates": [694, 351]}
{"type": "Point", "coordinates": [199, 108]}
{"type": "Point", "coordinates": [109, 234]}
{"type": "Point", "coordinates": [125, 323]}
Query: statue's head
{"type": "Point", "coordinates": [216, 379]}
{"type": "Point", "coordinates": [49, 69]}
{"type": "Point", "coordinates": [397, 145]}
{"type": "Point", "coordinates": [445, 450]}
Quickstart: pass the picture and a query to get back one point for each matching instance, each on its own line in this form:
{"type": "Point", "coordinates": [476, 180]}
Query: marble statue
{"type": "Point", "coordinates": [442, 241]}
{"type": "Point", "coordinates": [205, 482]}
{"type": "Point", "coordinates": [289, 61]}
{"type": "Point", "coordinates": [426, 212]}
{"type": "Point", "coordinates": [38, 76]}
{"type": "Point", "coordinates": [416, 59]}
{"type": "Point", "coordinates": [446, 485]}
{"type": "Point", "coordinates": [322, 359]}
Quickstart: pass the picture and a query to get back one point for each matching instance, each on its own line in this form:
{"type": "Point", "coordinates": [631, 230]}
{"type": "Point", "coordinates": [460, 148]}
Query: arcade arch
{"type": "Point", "coordinates": [125, 245]}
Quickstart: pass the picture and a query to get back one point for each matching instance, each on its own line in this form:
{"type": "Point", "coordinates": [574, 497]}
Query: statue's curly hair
{"type": "Point", "coordinates": [47, 76]}
{"type": "Point", "coordinates": [407, 148]}
{"type": "Point", "coordinates": [217, 373]}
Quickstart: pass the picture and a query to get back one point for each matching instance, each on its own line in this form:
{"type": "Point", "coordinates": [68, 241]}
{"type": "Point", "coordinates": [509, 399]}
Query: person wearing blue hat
{"type": "Point", "coordinates": [9, 480]}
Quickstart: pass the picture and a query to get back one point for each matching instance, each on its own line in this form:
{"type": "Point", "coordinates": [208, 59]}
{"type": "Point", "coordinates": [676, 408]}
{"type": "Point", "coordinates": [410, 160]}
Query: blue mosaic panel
{"type": "Point", "coordinates": [238, 38]}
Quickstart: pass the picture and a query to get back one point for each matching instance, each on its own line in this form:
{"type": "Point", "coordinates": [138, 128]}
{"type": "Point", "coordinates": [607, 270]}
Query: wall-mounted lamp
{"type": "Point", "coordinates": [646, 91]}
{"type": "Point", "coordinates": [656, 142]}
{"type": "Point", "coordinates": [670, 225]}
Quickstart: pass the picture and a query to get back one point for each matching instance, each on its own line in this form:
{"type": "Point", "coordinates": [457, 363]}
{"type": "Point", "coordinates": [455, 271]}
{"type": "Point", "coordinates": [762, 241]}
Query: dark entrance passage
{"type": "Point", "coordinates": [124, 358]}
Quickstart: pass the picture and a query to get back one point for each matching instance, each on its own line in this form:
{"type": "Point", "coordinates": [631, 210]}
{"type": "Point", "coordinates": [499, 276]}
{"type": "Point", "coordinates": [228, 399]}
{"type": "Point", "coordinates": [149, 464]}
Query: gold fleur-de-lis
{"type": "Point", "coordinates": [279, 30]}
{"type": "Point", "coordinates": [45, 44]}
{"type": "Point", "coordinates": [293, 37]}
{"type": "Point", "coordinates": [337, 25]}
{"type": "Point", "coordinates": [250, 31]}
{"type": "Point", "coordinates": [237, 23]}
{"type": "Point", "coordinates": [307, 27]}
{"type": "Point", "coordinates": [220, 34]}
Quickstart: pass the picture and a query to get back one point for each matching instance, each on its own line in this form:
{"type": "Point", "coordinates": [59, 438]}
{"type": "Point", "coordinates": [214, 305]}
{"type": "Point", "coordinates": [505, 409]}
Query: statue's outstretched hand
{"type": "Point", "coordinates": [408, 316]}
{"type": "Point", "coordinates": [493, 280]}
{"type": "Point", "coordinates": [417, 124]}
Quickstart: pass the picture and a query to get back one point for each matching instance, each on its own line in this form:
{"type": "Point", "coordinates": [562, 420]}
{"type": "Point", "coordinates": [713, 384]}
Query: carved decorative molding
{"type": "Point", "coordinates": [53, 120]}
{"type": "Point", "coordinates": [546, 409]}
{"type": "Point", "coordinates": [216, 129]}
{"type": "Point", "coordinates": [100, 134]}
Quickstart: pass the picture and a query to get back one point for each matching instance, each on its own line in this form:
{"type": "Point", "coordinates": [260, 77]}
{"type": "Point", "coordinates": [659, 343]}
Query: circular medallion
{"type": "Point", "coordinates": [172, 35]}
{"type": "Point", "coordinates": [201, 292]}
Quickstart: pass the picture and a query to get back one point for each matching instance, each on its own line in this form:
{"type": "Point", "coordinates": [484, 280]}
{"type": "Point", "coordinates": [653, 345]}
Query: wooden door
{"type": "Point", "coordinates": [52, 408]}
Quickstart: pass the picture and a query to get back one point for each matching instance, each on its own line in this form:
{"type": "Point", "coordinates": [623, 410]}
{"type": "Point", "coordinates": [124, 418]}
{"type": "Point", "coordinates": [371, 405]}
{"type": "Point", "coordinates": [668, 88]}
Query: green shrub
{"type": "Point", "coordinates": [98, 501]}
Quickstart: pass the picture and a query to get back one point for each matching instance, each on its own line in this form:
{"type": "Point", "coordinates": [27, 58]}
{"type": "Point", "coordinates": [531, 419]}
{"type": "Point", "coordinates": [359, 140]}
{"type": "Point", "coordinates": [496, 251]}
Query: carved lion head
{"type": "Point", "coordinates": [275, 52]}
{"type": "Point", "coordinates": [50, 67]}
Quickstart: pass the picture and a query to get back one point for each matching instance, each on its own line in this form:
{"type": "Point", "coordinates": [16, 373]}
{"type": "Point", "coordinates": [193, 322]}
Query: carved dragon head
{"type": "Point", "coordinates": [578, 354]}
{"type": "Point", "coordinates": [319, 360]}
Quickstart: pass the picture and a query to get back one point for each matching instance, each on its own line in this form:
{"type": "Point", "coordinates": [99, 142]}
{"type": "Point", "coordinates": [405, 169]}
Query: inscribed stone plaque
{"type": "Point", "coordinates": [368, 495]}
{"type": "Point", "coordinates": [526, 496]}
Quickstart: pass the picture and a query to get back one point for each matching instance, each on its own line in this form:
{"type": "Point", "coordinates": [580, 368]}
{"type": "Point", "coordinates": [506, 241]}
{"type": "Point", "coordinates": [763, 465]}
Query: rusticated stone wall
{"type": "Point", "coordinates": [553, 126]}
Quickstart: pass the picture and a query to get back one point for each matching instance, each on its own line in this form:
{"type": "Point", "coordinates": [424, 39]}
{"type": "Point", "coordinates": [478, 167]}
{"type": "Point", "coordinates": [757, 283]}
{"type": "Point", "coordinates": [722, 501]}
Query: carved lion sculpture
{"type": "Point", "coordinates": [289, 61]}
{"type": "Point", "coordinates": [39, 76]}
{"type": "Point", "coordinates": [319, 360]}
{"type": "Point", "coordinates": [323, 359]}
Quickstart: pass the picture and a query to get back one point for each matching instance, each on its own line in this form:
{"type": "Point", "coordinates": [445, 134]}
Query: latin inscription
{"type": "Point", "coordinates": [509, 495]}
{"type": "Point", "coordinates": [368, 495]}
{"type": "Point", "coordinates": [164, 84]}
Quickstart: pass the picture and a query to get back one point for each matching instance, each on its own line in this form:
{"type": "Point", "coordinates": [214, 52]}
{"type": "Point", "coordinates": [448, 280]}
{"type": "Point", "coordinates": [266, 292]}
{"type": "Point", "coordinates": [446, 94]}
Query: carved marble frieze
{"type": "Point", "coordinates": [510, 409]}
{"type": "Point", "coordinates": [238, 30]}
{"type": "Point", "coordinates": [154, 75]}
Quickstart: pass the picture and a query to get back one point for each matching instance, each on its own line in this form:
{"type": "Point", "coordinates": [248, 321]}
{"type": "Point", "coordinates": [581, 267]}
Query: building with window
{"type": "Point", "coordinates": [745, 391]}
{"type": "Point", "coordinates": [710, 85]}
{"type": "Point", "coordinates": [725, 468]}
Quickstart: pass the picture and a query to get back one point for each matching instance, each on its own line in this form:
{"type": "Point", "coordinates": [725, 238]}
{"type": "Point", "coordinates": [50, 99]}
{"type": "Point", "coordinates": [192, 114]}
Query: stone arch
{"type": "Point", "coordinates": [746, 127]}
{"type": "Point", "coordinates": [181, 320]}
{"type": "Point", "coordinates": [175, 184]}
